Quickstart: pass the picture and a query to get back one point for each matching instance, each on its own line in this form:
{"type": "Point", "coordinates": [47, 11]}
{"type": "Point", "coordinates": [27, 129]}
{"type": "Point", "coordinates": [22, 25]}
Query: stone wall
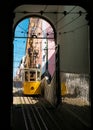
{"type": "Point", "coordinates": [78, 85]}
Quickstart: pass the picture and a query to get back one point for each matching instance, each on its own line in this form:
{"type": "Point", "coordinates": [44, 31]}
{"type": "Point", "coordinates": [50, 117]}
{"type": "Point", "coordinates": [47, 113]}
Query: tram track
{"type": "Point", "coordinates": [32, 115]}
{"type": "Point", "coordinates": [40, 118]}
{"type": "Point", "coordinates": [35, 113]}
{"type": "Point", "coordinates": [50, 118]}
{"type": "Point", "coordinates": [27, 116]}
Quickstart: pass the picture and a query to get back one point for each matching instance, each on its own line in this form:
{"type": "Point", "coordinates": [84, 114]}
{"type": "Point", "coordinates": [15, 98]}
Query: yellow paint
{"type": "Point", "coordinates": [63, 89]}
{"type": "Point", "coordinates": [31, 88]}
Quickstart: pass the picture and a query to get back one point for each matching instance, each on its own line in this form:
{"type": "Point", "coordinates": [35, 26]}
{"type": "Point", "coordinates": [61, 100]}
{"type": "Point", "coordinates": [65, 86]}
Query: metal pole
{"type": "Point", "coordinates": [47, 54]}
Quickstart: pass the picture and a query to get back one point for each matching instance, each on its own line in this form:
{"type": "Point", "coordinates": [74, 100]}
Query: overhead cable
{"type": "Point", "coordinates": [75, 29]}
{"type": "Point", "coordinates": [45, 8]}
{"type": "Point", "coordinates": [22, 28]}
{"type": "Point", "coordinates": [65, 14]}
{"type": "Point", "coordinates": [68, 23]}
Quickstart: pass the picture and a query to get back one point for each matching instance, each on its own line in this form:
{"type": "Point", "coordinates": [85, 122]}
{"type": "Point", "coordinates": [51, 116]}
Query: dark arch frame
{"type": "Point", "coordinates": [6, 48]}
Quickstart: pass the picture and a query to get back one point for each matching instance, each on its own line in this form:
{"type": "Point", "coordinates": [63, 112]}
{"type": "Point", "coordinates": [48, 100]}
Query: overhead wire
{"type": "Point", "coordinates": [69, 31]}
{"type": "Point", "coordinates": [22, 28]}
{"type": "Point", "coordinates": [61, 19]}
{"type": "Point", "coordinates": [79, 27]}
{"type": "Point", "coordinates": [68, 23]}
{"type": "Point", "coordinates": [39, 18]}
{"type": "Point", "coordinates": [65, 14]}
{"type": "Point", "coordinates": [45, 8]}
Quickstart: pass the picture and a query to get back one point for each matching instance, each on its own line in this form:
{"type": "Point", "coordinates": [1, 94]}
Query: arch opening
{"type": "Point", "coordinates": [71, 27]}
{"type": "Point", "coordinates": [34, 47]}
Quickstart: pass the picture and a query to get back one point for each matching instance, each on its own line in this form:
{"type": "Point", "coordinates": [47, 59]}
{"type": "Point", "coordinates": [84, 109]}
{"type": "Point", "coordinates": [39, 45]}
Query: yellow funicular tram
{"type": "Point", "coordinates": [31, 81]}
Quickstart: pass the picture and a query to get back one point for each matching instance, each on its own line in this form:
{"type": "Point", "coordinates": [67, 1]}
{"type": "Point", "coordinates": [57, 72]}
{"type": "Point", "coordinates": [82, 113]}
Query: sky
{"type": "Point", "coordinates": [19, 43]}
{"type": "Point", "coordinates": [20, 38]}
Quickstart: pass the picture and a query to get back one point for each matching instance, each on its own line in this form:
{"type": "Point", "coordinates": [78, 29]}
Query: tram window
{"type": "Point", "coordinates": [38, 75]}
{"type": "Point", "coordinates": [32, 75]}
{"type": "Point", "coordinates": [26, 76]}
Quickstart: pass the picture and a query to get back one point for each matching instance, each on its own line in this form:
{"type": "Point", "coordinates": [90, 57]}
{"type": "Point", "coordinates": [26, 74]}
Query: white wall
{"type": "Point", "coordinates": [74, 43]}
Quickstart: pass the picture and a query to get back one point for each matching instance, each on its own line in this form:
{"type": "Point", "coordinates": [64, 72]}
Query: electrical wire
{"type": "Point", "coordinates": [79, 27]}
{"type": "Point", "coordinates": [22, 28]}
{"type": "Point", "coordinates": [65, 14]}
{"type": "Point", "coordinates": [68, 23]}
{"type": "Point", "coordinates": [45, 8]}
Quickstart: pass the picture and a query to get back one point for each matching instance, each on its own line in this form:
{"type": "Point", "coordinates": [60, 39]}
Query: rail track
{"type": "Point", "coordinates": [35, 113]}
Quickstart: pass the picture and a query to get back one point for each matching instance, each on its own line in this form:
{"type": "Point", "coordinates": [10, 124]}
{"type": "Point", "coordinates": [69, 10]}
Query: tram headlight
{"type": "Point", "coordinates": [32, 88]}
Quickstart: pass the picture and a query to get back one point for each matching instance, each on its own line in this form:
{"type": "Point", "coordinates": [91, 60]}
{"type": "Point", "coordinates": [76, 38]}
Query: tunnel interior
{"type": "Point", "coordinates": [71, 35]}
{"type": "Point", "coordinates": [66, 32]}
